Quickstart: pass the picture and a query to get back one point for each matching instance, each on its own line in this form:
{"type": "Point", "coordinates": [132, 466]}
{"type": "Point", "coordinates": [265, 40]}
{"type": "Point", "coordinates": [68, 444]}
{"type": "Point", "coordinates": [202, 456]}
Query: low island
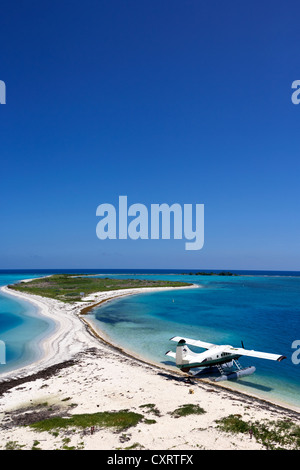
{"type": "Point", "coordinates": [73, 288]}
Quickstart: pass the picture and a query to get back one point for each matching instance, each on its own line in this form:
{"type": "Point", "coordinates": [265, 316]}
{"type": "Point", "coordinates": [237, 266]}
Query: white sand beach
{"type": "Point", "coordinates": [79, 372]}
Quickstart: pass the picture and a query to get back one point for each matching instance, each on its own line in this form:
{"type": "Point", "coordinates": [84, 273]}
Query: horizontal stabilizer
{"type": "Point", "coordinates": [193, 342]}
{"type": "Point", "coordinates": [171, 354]}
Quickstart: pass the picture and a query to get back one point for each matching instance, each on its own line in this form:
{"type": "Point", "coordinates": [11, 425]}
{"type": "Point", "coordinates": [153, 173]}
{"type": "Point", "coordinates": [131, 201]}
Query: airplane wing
{"type": "Point", "coordinates": [193, 342]}
{"type": "Point", "coordinates": [252, 353]}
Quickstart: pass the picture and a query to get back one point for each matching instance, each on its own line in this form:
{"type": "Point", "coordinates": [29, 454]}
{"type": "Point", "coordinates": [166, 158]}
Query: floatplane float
{"type": "Point", "coordinates": [223, 358]}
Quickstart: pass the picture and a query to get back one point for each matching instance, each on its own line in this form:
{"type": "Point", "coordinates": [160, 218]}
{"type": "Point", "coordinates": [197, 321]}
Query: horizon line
{"type": "Point", "coordinates": [149, 269]}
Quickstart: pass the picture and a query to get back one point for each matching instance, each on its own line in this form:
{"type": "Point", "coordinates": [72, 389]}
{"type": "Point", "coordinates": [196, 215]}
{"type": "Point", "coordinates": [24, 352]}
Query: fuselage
{"type": "Point", "coordinates": [187, 359]}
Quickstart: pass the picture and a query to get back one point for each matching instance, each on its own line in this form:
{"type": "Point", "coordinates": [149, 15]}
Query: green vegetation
{"type": "Point", "coordinates": [71, 288]}
{"type": "Point", "coordinates": [234, 424]}
{"type": "Point", "coordinates": [136, 445]}
{"type": "Point", "coordinates": [151, 408]}
{"type": "Point", "coordinates": [118, 419]}
{"type": "Point", "coordinates": [186, 410]}
{"type": "Point", "coordinates": [13, 445]}
{"type": "Point", "coordinates": [35, 446]}
{"type": "Point", "coordinates": [280, 434]}
{"type": "Point", "coordinates": [65, 446]}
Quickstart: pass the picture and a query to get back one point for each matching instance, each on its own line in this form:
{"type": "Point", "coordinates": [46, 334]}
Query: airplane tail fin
{"type": "Point", "coordinates": [182, 356]}
{"type": "Point", "coordinates": [180, 352]}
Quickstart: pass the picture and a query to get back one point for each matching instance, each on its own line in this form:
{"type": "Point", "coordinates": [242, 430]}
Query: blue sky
{"type": "Point", "coordinates": [182, 101]}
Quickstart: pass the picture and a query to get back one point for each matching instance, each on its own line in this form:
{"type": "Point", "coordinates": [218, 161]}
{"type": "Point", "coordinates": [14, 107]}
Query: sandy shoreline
{"type": "Point", "coordinates": [81, 364]}
{"type": "Point", "coordinates": [69, 337]}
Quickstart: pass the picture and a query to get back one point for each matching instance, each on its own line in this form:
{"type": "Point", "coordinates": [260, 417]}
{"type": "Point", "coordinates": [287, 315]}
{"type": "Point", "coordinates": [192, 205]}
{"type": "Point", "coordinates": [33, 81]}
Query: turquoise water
{"type": "Point", "coordinates": [21, 327]}
{"type": "Point", "coordinates": [261, 311]}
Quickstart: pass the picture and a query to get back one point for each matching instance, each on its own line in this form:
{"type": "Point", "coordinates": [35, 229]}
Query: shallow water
{"type": "Point", "coordinates": [21, 327]}
{"type": "Point", "coordinates": [261, 311]}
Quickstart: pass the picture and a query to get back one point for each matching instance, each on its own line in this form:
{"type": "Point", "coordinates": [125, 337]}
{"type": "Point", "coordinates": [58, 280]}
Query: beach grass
{"type": "Point", "coordinates": [116, 419]}
{"type": "Point", "coordinates": [151, 408]}
{"type": "Point", "coordinates": [274, 435]}
{"type": "Point", "coordinates": [69, 288]}
{"type": "Point", "coordinates": [186, 410]}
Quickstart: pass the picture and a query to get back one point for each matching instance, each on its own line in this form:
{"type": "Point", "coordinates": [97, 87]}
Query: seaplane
{"type": "Point", "coordinates": [223, 358]}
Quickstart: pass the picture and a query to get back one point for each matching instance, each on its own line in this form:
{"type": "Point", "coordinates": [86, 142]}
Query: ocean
{"type": "Point", "coordinates": [262, 309]}
{"type": "Point", "coordinates": [21, 327]}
